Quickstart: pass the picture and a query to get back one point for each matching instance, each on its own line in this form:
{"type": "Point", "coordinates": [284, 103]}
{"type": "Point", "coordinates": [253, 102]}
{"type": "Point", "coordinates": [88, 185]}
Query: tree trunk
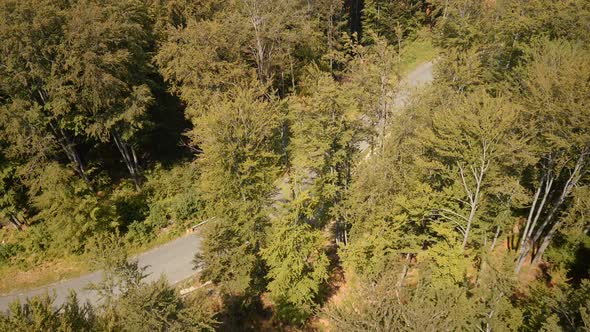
{"type": "Point", "coordinates": [260, 49]}
{"type": "Point", "coordinates": [404, 272]}
{"type": "Point", "coordinates": [495, 238]}
{"type": "Point", "coordinates": [355, 8]}
{"type": "Point", "coordinates": [571, 182]}
{"type": "Point", "coordinates": [469, 223]}
{"type": "Point", "coordinates": [15, 222]}
{"type": "Point", "coordinates": [546, 241]}
{"type": "Point", "coordinates": [525, 245]}
{"type": "Point", "coordinates": [69, 149]}
{"type": "Point", "coordinates": [129, 158]}
{"type": "Point", "coordinates": [473, 197]}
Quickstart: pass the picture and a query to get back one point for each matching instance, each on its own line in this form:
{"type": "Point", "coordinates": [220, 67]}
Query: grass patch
{"type": "Point", "coordinates": [13, 278]}
{"type": "Point", "coordinates": [417, 51]}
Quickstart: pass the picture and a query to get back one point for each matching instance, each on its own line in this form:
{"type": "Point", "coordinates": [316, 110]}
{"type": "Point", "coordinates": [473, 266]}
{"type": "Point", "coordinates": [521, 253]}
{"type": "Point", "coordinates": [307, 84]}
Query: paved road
{"type": "Point", "coordinates": [173, 260]}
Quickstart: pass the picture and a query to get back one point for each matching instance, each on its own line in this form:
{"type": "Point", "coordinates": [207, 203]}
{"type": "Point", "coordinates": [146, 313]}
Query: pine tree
{"type": "Point", "coordinates": [297, 267]}
{"type": "Point", "coordinates": [239, 164]}
{"type": "Point", "coordinates": [325, 126]}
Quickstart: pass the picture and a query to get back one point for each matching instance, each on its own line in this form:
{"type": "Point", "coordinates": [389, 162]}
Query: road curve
{"type": "Point", "coordinates": [172, 260]}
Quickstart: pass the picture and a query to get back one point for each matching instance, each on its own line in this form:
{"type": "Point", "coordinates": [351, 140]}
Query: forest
{"type": "Point", "coordinates": [335, 196]}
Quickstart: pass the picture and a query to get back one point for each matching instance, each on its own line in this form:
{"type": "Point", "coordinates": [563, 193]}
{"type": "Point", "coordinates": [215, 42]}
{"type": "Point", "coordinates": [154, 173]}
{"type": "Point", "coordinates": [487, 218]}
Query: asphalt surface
{"type": "Point", "coordinates": [172, 260]}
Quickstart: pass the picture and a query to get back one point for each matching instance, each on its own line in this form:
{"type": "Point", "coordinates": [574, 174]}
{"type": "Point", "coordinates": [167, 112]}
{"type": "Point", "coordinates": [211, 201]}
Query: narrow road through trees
{"type": "Point", "coordinates": [174, 259]}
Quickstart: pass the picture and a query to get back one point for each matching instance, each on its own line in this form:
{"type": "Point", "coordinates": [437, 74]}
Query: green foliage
{"type": "Point", "coordinates": [174, 196]}
{"type": "Point", "coordinates": [13, 199]}
{"type": "Point", "coordinates": [497, 34]}
{"type": "Point", "coordinates": [473, 145]}
{"type": "Point", "coordinates": [374, 77]}
{"type": "Point", "coordinates": [387, 202]}
{"type": "Point", "coordinates": [429, 305]}
{"type": "Point", "coordinates": [573, 243]}
{"type": "Point", "coordinates": [223, 43]}
{"type": "Point", "coordinates": [238, 169]}
{"type": "Point", "coordinates": [418, 192]}
{"type": "Point", "coordinates": [383, 307]}
{"type": "Point", "coordinates": [158, 307]}
{"type": "Point", "coordinates": [70, 211]}
{"type": "Point", "coordinates": [325, 125]}
{"type": "Point", "coordinates": [152, 307]}
{"type": "Point", "coordinates": [8, 251]}
{"type": "Point", "coordinates": [120, 275]}
{"type": "Point", "coordinates": [393, 19]}
{"type": "Point", "coordinates": [297, 268]}
{"type": "Point", "coordinates": [38, 314]}
{"type": "Point", "coordinates": [561, 307]}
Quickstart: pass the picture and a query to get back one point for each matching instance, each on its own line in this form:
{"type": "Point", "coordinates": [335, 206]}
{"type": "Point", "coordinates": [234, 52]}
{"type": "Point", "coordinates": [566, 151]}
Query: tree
{"type": "Point", "coordinates": [13, 195]}
{"type": "Point", "coordinates": [158, 307]}
{"type": "Point", "coordinates": [562, 307]}
{"type": "Point", "coordinates": [472, 142]}
{"type": "Point", "coordinates": [393, 19]}
{"type": "Point", "coordinates": [34, 114]}
{"type": "Point", "coordinates": [373, 72]}
{"type": "Point", "coordinates": [380, 307]}
{"type": "Point", "coordinates": [272, 33]}
{"type": "Point", "coordinates": [555, 101]}
{"type": "Point", "coordinates": [104, 68]}
{"type": "Point", "coordinates": [79, 74]}
{"type": "Point", "coordinates": [388, 203]}
{"type": "Point", "coordinates": [325, 128]}
{"type": "Point", "coordinates": [69, 210]}
{"type": "Point", "coordinates": [239, 164]}
{"type": "Point", "coordinates": [222, 44]}
{"type": "Point", "coordinates": [297, 267]}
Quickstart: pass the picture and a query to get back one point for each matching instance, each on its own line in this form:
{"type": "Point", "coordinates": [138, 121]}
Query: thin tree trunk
{"type": "Point", "coordinates": [495, 238]}
{"type": "Point", "coordinates": [292, 74]}
{"type": "Point", "coordinates": [69, 149]}
{"type": "Point", "coordinates": [129, 158]}
{"type": "Point", "coordinates": [525, 245]}
{"type": "Point", "coordinates": [15, 222]}
{"type": "Point", "coordinates": [546, 241]}
{"type": "Point", "coordinates": [260, 48]}
{"type": "Point", "coordinates": [383, 115]}
{"type": "Point", "coordinates": [330, 38]}
{"type": "Point", "coordinates": [572, 182]}
{"type": "Point", "coordinates": [469, 222]}
{"type": "Point", "coordinates": [473, 197]}
{"type": "Point", "coordinates": [404, 272]}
